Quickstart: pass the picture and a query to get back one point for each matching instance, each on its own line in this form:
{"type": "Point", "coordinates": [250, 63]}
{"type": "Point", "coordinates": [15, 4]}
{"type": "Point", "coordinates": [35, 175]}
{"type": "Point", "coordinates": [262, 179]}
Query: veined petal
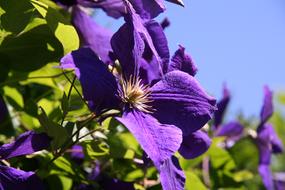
{"type": "Point", "coordinates": [222, 106]}
{"type": "Point", "coordinates": [230, 130]}
{"type": "Point", "coordinates": [180, 100]}
{"type": "Point", "coordinates": [182, 62]}
{"type": "Point", "coordinates": [194, 144]}
{"type": "Point", "coordinates": [266, 176]}
{"type": "Point", "coordinates": [99, 86]}
{"type": "Point", "coordinates": [267, 107]}
{"type": "Point", "coordinates": [27, 143]}
{"type": "Point", "coordinates": [171, 175]}
{"type": "Point", "coordinates": [159, 141]}
{"type": "Point", "coordinates": [92, 35]}
{"type": "Point", "coordinates": [11, 179]}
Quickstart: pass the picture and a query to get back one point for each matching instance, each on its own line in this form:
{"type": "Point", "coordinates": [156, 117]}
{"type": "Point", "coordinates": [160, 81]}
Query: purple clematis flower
{"type": "Point", "coordinates": [267, 141]}
{"type": "Point", "coordinates": [144, 107]}
{"type": "Point", "coordinates": [158, 112]}
{"type": "Point", "coordinates": [27, 143]}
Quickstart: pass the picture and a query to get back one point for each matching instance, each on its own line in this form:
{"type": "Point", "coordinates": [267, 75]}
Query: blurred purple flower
{"type": "Point", "coordinates": [222, 106]}
{"type": "Point", "coordinates": [76, 154]}
{"type": "Point", "coordinates": [267, 140]}
{"type": "Point", "coordinates": [27, 143]}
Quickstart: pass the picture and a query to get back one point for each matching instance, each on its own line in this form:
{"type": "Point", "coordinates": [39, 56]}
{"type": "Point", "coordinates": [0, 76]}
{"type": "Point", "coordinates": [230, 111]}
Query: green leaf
{"type": "Point", "coordinates": [245, 154]}
{"type": "Point", "coordinates": [32, 49]}
{"type": "Point", "coordinates": [94, 149]}
{"type": "Point", "coordinates": [193, 182]}
{"type": "Point", "coordinates": [16, 14]}
{"type": "Point", "coordinates": [243, 175]}
{"type": "Point", "coordinates": [64, 104]}
{"type": "Point", "coordinates": [59, 25]}
{"type": "Point", "coordinates": [58, 133]}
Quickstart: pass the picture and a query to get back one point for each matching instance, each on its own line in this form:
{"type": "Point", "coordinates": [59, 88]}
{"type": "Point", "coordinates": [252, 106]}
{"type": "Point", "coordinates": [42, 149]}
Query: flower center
{"type": "Point", "coordinates": [135, 94]}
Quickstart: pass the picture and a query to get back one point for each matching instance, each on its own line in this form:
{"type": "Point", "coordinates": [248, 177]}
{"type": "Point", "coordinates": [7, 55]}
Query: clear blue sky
{"type": "Point", "coordinates": [240, 42]}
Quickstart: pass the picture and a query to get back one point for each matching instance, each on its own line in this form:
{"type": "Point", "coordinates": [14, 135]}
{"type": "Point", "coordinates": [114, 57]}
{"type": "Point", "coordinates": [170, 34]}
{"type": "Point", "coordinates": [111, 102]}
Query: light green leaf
{"type": "Point", "coordinates": [62, 29]}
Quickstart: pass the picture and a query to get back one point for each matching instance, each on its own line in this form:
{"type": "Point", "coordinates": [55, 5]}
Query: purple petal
{"type": "Point", "coordinates": [268, 143]}
{"type": "Point", "coordinates": [99, 86]}
{"type": "Point", "coordinates": [157, 140]}
{"type": "Point", "coordinates": [149, 72]}
{"type": "Point", "coordinates": [165, 23]}
{"type": "Point", "coordinates": [180, 100]}
{"type": "Point", "coordinates": [148, 9]}
{"type": "Point", "coordinates": [77, 153]}
{"type": "Point", "coordinates": [11, 179]}
{"type": "Point", "coordinates": [171, 175]}
{"type": "Point", "coordinates": [130, 42]}
{"type": "Point", "coordinates": [27, 143]}
{"type": "Point", "coordinates": [194, 145]}
{"type": "Point", "coordinates": [266, 176]}
{"type": "Point", "coordinates": [182, 62]}
{"type": "Point", "coordinates": [230, 130]}
{"type": "Point", "coordinates": [113, 8]}
{"type": "Point", "coordinates": [222, 106]}
{"type": "Point", "coordinates": [160, 42]}
{"type": "Point", "coordinates": [267, 107]}
{"type": "Point", "coordinates": [92, 35]}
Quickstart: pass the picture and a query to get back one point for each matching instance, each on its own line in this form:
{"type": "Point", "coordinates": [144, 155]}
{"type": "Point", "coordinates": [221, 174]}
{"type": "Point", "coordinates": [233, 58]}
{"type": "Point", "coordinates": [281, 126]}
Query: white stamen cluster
{"type": "Point", "coordinates": [135, 94]}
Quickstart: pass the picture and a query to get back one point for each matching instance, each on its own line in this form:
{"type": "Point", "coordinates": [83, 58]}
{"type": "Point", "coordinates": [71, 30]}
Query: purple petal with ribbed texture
{"type": "Point", "coordinates": [159, 141]}
{"type": "Point", "coordinates": [12, 179]}
{"type": "Point", "coordinates": [266, 176]}
{"type": "Point", "coordinates": [267, 107]}
{"type": "Point", "coordinates": [171, 175]}
{"type": "Point", "coordinates": [27, 143]}
{"type": "Point", "coordinates": [230, 130]}
{"type": "Point", "coordinates": [113, 8]}
{"type": "Point", "coordinates": [180, 100]}
{"type": "Point", "coordinates": [92, 35]}
{"type": "Point", "coordinates": [99, 86]}
{"type": "Point", "coordinates": [182, 62]}
{"type": "Point", "coordinates": [194, 144]}
{"type": "Point", "coordinates": [222, 106]}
